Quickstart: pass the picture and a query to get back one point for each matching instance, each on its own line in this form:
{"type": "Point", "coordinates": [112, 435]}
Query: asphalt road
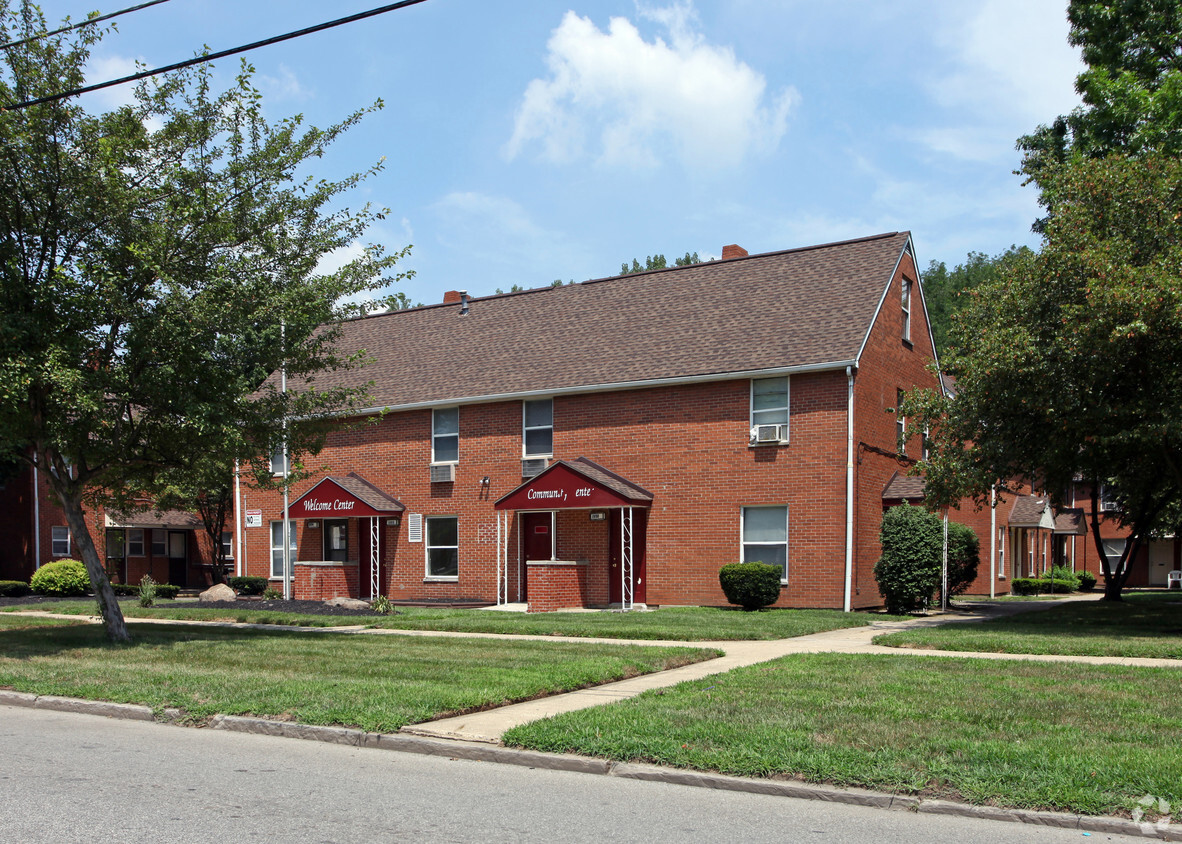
{"type": "Point", "coordinates": [66, 777]}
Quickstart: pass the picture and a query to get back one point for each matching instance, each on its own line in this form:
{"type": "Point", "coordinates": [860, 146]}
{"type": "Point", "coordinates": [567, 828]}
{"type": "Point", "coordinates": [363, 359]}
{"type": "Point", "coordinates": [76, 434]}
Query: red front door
{"type": "Point", "coordinates": [615, 582]}
{"type": "Point", "coordinates": [537, 542]}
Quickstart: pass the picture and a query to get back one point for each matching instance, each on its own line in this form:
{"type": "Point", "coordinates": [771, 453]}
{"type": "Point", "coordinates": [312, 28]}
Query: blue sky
{"type": "Point", "coordinates": [535, 140]}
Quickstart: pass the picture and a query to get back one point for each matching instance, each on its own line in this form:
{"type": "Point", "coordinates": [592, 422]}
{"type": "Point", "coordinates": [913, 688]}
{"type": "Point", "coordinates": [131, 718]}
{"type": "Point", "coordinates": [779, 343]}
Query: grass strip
{"type": "Point", "coordinates": [1089, 739]}
{"type": "Point", "coordinates": [376, 683]}
{"type": "Point", "coordinates": [1142, 625]}
{"type": "Point", "coordinates": [671, 623]}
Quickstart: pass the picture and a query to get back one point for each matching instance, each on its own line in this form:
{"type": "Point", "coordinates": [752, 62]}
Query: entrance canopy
{"type": "Point", "coordinates": [575, 484]}
{"type": "Point", "coordinates": [350, 496]}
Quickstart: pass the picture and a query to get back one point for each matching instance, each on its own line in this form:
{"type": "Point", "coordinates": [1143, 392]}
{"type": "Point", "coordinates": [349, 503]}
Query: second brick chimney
{"type": "Point", "coordinates": [733, 251]}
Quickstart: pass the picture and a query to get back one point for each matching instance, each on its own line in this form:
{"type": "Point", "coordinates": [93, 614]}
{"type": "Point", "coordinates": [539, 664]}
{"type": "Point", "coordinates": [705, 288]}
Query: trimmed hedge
{"type": "Point", "coordinates": [61, 579]}
{"type": "Point", "coordinates": [248, 585]}
{"type": "Point", "coordinates": [132, 590]}
{"type": "Point", "coordinates": [1040, 586]}
{"type": "Point", "coordinates": [1087, 581]}
{"type": "Point", "coordinates": [908, 573]}
{"type": "Point", "coordinates": [167, 591]}
{"type": "Point", "coordinates": [750, 585]}
{"type": "Point", "coordinates": [14, 589]}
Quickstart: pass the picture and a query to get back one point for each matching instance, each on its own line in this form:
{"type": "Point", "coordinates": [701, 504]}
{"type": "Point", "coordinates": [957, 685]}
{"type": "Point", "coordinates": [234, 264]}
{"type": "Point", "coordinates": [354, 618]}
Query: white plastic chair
{"type": "Point", "coordinates": [1174, 579]}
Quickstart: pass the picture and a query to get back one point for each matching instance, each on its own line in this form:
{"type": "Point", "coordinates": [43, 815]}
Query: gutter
{"type": "Point", "coordinates": [849, 493]}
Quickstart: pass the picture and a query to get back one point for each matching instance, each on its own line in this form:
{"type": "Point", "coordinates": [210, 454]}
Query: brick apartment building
{"type": "Point", "coordinates": [617, 441]}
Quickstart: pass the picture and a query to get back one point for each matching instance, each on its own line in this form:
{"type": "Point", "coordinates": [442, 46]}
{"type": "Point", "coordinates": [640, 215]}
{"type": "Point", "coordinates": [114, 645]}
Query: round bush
{"type": "Point", "coordinates": [750, 585]}
{"type": "Point", "coordinates": [908, 572]}
{"type": "Point", "coordinates": [61, 579]}
{"type": "Point", "coordinates": [14, 589]}
{"type": "Point", "coordinates": [1087, 581]}
{"type": "Point", "coordinates": [248, 585]}
{"type": "Point", "coordinates": [964, 555]}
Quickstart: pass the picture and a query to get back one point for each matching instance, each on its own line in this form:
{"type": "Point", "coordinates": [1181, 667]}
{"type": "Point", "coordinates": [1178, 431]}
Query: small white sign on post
{"type": "Point", "coordinates": [254, 518]}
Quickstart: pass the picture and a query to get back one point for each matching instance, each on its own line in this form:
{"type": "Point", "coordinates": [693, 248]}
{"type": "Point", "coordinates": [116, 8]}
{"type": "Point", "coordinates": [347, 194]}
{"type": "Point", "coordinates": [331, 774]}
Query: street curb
{"type": "Point", "coordinates": [455, 749]}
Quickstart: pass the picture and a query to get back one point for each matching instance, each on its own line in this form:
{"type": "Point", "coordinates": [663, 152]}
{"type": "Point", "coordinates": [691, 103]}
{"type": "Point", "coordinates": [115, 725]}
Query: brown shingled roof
{"type": "Point", "coordinates": [1070, 520]}
{"type": "Point", "coordinates": [1028, 511]}
{"type": "Point", "coordinates": [905, 487]}
{"type": "Point", "coordinates": [799, 308]}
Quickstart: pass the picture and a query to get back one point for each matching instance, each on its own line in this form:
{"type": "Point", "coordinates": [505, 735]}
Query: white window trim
{"type": "Point", "coordinates": [127, 543]}
{"type": "Point", "coordinates": [434, 461]}
{"type": "Point", "coordinates": [787, 536]}
{"type": "Point", "coordinates": [229, 554]}
{"type": "Point", "coordinates": [163, 552]}
{"type": "Point", "coordinates": [905, 295]}
{"type": "Point", "coordinates": [900, 423]}
{"type": "Point", "coordinates": [53, 540]}
{"type": "Point", "coordinates": [525, 455]}
{"type": "Point", "coordinates": [293, 546]}
{"type": "Point", "coordinates": [427, 546]}
{"type": "Point", "coordinates": [285, 462]}
{"type": "Point", "coordinates": [787, 408]}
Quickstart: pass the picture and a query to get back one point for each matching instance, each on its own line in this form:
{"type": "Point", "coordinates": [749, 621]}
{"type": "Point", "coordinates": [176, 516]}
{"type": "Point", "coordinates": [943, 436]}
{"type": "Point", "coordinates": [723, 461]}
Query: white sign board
{"type": "Point", "coordinates": [254, 518]}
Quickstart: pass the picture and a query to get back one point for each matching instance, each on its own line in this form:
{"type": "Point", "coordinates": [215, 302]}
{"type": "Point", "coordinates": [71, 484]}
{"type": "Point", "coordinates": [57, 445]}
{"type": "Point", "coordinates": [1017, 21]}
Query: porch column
{"type": "Point", "coordinates": [374, 557]}
{"type": "Point", "coordinates": [626, 558]}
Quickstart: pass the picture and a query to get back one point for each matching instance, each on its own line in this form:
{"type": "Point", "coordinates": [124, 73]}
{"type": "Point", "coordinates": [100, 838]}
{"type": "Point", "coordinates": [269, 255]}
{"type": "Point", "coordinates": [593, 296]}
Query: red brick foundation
{"type": "Point", "coordinates": [556, 585]}
{"type": "Point", "coordinates": [324, 581]}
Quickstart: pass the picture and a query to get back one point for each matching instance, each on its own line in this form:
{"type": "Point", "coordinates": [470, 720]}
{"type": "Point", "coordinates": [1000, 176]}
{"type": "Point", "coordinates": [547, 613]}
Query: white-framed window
{"type": "Point", "coordinates": [135, 542]}
{"type": "Point", "coordinates": [227, 545]}
{"type": "Point", "coordinates": [906, 297]}
{"type": "Point", "coordinates": [764, 537]}
{"type": "Point", "coordinates": [277, 545]}
{"type": "Point", "coordinates": [1001, 553]}
{"type": "Point", "coordinates": [926, 443]}
{"type": "Point", "coordinates": [1107, 499]}
{"type": "Point", "coordinates": [1113, 548]}
{"type": "Point", "coordinates": [159, 542]}
{"type": "Point", "coordinates": [278, 461]}
{"type": "Point", "coordinates": [60, 541]}
{"type": "Point", "coordinates": [336, 540]}
{"type": "Point", "coordinates": [900, 423]}
{"type": "Point", "coordinates": [537, 428]}
{"type": "Point", "coordinates": [445, 435]}
{"type": "Point", "coordinates": [769, 410]}
{"type": "Point", "coordinates": [443, 547]}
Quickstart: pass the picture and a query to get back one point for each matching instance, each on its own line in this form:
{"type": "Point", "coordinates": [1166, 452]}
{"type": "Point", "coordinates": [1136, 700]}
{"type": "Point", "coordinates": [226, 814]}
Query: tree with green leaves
{"type": "Point", "coordinates": [1068, 364]}
{"type": "Point", "coordinates": [658, 262]}
{"type": "Point", "coordinates": [157, 262]}
{"type": "Point", "coordinates": [943, 288]}
{"type": "Point", "coordinates": [1131, 87]}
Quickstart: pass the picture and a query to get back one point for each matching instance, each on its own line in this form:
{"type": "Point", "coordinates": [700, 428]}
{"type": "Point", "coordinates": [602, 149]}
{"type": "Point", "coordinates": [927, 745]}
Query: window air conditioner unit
{"type": "Point", "coordinates": [767, 433]}
{"type": "Point", "coordinates": [533, 466]}
{"type": "Point", "coordinates": [444, 473]}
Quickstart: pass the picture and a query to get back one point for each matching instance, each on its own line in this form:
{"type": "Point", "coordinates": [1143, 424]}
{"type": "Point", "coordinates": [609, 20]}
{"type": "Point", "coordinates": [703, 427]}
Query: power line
{"type": "Point", "coordinates": [87, 22]}
{"type": "Point", "coordinates": [214, 56]}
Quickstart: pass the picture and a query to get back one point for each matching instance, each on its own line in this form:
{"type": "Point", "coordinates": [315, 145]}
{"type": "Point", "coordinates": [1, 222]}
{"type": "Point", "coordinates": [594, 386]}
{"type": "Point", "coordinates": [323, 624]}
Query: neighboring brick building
{"type": "Point", "coordinates": [692, 417]}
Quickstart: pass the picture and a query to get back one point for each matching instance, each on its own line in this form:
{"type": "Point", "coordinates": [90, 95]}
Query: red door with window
{"type": "Point", "coordinates": [615, 583]}
{"type": "Point", "coordinates": [537, 540]}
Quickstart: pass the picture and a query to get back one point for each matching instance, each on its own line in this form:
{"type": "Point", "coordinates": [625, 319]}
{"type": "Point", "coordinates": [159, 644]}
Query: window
{"type": "Point", "coordinates": [159, 543]}
{"type": "Point", "coordinates": [135, 542]}
{"type": "Point", "coordinates": [336, 540]}
{"type": "Point", "coordinates": [443, 547]}
{"type": "Point", "coordinates": [227, 545]}
{"type": "Point", "coordinates": [765, 537]}
{"type": "Point", "coordinates": [926, 443]}
{"type": "Point", "coordinates": [277, 546]}
{"type": "Point", "coordinates": [907, 309]}
{"type": "Point", "coordinates": [278, 464]}
{"type": "Point", "coordinates": [1001, 553]}
{"type": "Point", "coordinates": [1113, 548]}
{"type": "Point", "coordinates": [1107, 499]}
{"type": "Point", "coordinates": [900, 423]}
{"type": "Point", "coordinates": [538, 428]}
{"type": "Point", "coordinates": [769, 410]}
{"type": "Point", "coordinates": [445, 435]}
{"type": "Point", "coordinates": [61, 541]}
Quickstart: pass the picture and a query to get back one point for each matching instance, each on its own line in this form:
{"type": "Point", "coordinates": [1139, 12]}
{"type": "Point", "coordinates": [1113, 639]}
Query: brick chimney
{"type": "Point", "coordinates": [733, 251]}
{"type": "Point", "coordinates": [452, 297]}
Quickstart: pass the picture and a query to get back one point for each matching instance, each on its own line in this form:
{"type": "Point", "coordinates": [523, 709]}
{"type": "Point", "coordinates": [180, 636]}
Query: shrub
{"type": "Point", "coordinates": [750, 585]}
{"type": "Point", "coordinates": [908, 573]}
{"type": "Point", "coordinates": [125, 590]}
{"type": "Point", "coordinates": [381, 605]}
{"type": "Point", "coordinates": [147, 591]}
{"type": "Point", "coordinates": [1066, 575]}
{"type": "Point", "coordinates": [14, 589]}
{"type": "Point", "coordinates": [166, 591]}
{"type": "Point", "coordinates": [248, 585]}
{"type": "Point", "coordinates": [964, 555]}
{"type": "Point", "coordinates": [271, 594]}
{"type": "Point", "coordinates": [61, 579]}
{"type": "Point", "coordinates": [1087, 581]}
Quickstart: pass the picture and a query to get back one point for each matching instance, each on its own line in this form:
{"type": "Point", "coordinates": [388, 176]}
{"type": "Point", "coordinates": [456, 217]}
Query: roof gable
{"type": "Point", "coordinates": [797, 309]}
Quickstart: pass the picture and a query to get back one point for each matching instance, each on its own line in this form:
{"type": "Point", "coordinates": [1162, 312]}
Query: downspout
{"type": "Point", "coordinates": [849, 492]}
{"type": "Point", "coordinates": [36, 516]}
{"type": "Point", "coordinates": [993, 541]}
{"type": "Point", "coordinates": [238, 562]}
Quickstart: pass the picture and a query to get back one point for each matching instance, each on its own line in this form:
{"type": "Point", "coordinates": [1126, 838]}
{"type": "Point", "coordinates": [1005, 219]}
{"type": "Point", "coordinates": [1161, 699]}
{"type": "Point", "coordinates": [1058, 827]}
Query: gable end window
{"type": "Point", "coordinates": [769, 410]}
{"type": "Point", "coordinates": [445, 435]}
{"type": "Point", "coordinates": [906, 309]}
{"type": "Point", "coordinates": [765, 537]}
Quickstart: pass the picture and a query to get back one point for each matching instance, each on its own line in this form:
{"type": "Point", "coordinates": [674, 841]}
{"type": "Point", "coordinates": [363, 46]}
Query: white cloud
{"type": "Point", "coordinates": [628, 101]}
{"type": "Point", "coordinates": [113, 67]}
{"type": "Point", "coordinates": [285, 86]}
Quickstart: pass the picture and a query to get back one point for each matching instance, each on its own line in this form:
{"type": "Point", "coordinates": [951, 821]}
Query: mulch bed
{"type": "Point", "coordinates": [305, 607]}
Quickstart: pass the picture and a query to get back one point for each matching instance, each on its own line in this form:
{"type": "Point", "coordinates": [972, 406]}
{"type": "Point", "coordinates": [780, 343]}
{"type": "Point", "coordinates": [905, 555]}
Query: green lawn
{"type": "Point", "coordinates": [1142, 625]}
{"type": "Point", "coordinates": [671, 623]}
{"type": "Point", "coordinates": [1090, 739]}
{"type": "Point", "coordinates": [377, 683]}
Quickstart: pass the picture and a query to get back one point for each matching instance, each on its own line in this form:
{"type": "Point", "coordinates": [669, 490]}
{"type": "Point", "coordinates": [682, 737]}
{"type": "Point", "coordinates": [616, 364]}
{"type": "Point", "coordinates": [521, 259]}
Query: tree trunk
{"type": "Point", "coordinates": [108, 605]}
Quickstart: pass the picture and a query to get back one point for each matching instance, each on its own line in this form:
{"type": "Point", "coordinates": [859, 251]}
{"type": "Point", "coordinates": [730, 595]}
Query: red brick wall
{"type": "Point", "coordinates": [324, 582]}
{"type": "Point", "coordinates": [556, 586]}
